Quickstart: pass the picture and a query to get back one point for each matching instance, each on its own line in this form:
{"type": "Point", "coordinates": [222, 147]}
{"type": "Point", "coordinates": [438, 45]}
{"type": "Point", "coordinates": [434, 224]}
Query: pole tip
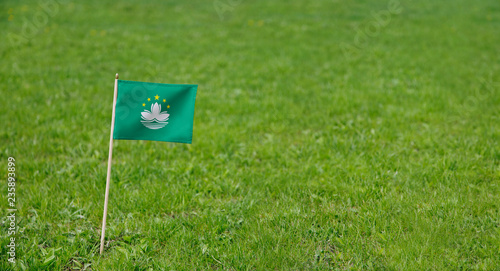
{"type": "Point", "coordinates": [116, 77]}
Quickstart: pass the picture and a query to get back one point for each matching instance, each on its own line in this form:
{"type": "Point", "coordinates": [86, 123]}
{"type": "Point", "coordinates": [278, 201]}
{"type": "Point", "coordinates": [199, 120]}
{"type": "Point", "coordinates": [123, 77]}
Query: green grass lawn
{"type": "Point", "coordinates": [323, 139]}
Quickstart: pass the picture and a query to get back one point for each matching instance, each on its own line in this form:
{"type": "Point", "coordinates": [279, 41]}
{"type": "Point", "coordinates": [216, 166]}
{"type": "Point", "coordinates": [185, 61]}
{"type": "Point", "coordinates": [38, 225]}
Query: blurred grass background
{"type": "Point", "coordinates": [303, 157]}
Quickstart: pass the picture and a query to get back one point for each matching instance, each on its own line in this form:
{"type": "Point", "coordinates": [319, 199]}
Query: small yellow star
{"type": "Point", "coordinates": [164, 100]}
{"type": "Point", "coordinates": [143, 104]}
{"type": "Point", "coordinates": [157, 97]}
{"type": "Point", "coordinates": [149, 99]}
{"type": "Point", "coordinates": [168, 106]}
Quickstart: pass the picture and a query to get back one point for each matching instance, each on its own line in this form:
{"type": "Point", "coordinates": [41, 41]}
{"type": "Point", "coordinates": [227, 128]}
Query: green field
{"type": "Point", "coordinates": [328, 135]}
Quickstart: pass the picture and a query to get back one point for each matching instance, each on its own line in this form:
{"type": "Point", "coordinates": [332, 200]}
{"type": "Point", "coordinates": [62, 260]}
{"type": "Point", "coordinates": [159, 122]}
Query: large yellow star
{"type": "Point", "coordinates": [157, 97]}
{"type": "Point", "coordinates": [168, 106]}
{"type": "Point", "coordinates": [164, 100]}
{"type": "Point", "coordinates": [143, 104]}
{"type": "Point", "coordinates": [149, 99]}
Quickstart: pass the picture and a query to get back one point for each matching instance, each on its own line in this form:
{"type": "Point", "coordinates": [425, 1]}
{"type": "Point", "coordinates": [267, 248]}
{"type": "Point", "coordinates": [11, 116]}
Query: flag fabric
{"type": "Point", "coordinates": [152, 111]}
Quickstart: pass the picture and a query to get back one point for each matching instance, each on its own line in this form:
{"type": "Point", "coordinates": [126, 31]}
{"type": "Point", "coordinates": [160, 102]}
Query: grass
{"type": "Point", "coordinates": [303, 157]}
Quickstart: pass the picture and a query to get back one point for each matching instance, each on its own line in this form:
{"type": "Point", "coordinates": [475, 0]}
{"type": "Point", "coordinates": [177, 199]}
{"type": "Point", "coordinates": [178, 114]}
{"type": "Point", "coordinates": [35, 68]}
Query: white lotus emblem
{"type": "Point", "coordinates": [154, 119]}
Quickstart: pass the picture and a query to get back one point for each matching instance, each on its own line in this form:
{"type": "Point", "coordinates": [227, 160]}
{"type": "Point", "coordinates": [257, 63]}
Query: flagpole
{"type": "Point", "coordinates": [110, 159]}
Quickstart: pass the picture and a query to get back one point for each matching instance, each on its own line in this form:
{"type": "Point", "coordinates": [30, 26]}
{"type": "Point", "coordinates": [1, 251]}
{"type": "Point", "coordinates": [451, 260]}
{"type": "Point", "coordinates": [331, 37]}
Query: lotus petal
{"type": "Point", "coordinates": [155, 109]}
{"type": "Point", "coordinates": [163, 116]}
{"type": "Point", "coordinates": [146, 115]}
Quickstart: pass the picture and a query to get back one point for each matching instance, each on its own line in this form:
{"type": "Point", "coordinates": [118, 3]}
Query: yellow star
{"type": "Point", "coordinates": [149, 99]}
{"type": "Point", "coordinates": [157, 97]}
{"type": "Point", "coordinates": [164, 100]}
{"type": "Point", "coordinates": [168, 106]}
{"type": "Point", "coordinates": [143, 104]}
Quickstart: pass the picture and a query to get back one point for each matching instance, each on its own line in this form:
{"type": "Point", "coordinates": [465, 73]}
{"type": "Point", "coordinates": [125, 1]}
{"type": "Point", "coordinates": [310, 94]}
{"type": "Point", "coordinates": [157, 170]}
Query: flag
{"type": "Point", "coordinates": [152, 111]}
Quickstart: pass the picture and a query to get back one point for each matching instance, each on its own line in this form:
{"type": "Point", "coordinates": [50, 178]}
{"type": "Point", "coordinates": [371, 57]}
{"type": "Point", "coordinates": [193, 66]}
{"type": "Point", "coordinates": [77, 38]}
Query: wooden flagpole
{"type": "Point", "coordinates": [110, 159]}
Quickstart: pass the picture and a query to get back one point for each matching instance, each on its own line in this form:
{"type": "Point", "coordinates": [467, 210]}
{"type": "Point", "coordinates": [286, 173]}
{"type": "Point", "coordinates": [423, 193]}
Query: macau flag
{"type": "Point", "coordinates": [152, 111]}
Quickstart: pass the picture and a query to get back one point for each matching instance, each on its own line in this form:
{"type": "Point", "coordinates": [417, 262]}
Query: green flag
{"type": "Point", "coordinates": [152, 111]}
